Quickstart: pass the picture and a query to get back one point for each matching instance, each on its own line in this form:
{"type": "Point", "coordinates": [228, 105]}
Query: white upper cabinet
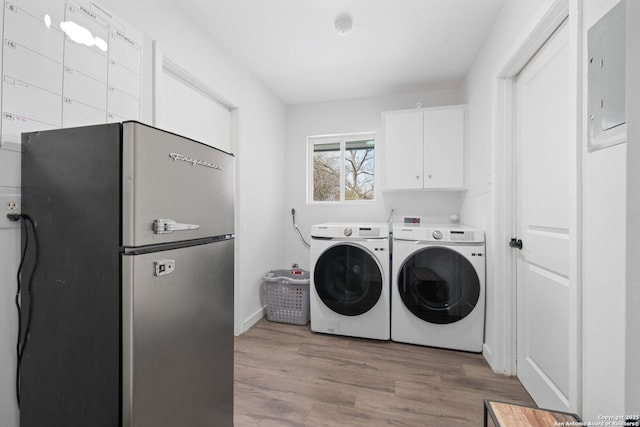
{"type": "Point", "coordinates": [404, 147]}
{"type": "Point", "coordinates": [443, 148]}
{"type": "Point", "coordinates": [424, 148]}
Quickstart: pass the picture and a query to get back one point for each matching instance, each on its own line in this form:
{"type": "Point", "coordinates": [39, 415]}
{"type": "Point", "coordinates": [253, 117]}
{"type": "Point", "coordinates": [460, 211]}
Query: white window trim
{"type": "Point", "coordinates": [341, 138]}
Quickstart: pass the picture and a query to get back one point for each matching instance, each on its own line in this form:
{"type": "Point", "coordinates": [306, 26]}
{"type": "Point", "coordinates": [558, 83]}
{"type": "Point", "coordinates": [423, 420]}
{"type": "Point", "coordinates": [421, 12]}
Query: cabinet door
{"type": "Point", "coordinates": [403, 150]}
{"type": "Point", "coordinates": [443, 148]}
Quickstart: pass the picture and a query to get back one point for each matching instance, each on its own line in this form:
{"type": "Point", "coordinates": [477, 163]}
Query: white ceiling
{"type": "Point", "coordinates": [395, 46]}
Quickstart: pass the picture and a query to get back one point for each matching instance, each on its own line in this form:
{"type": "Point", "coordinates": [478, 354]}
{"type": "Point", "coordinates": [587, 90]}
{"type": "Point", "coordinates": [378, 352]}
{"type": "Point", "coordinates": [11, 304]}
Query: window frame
{"type": "Point", "coordinates": [342, 139]}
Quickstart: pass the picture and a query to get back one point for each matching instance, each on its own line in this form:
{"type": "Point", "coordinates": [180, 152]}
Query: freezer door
{"type": "Point", "coordinates": [174, 188]}
{"type": "Point", "coordinates": [178, 337]}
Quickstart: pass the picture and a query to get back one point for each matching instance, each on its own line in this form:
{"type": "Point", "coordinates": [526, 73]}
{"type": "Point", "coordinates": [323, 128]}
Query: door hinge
{"type": "Point", "coordinates": [515, 243]}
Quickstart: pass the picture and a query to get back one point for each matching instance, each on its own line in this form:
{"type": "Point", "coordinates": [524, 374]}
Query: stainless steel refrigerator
{"type": "Point", "coordinates": [127, 282]}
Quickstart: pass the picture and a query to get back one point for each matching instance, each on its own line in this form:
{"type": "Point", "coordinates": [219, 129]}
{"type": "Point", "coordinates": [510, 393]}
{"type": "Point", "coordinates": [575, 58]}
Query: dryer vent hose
{"type": "Point", "coordinates": [293, 218]}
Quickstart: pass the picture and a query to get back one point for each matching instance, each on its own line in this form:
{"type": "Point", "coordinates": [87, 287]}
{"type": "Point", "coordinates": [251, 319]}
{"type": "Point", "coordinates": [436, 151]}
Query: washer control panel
{"type": "Point", "coordinates": [342, 230]}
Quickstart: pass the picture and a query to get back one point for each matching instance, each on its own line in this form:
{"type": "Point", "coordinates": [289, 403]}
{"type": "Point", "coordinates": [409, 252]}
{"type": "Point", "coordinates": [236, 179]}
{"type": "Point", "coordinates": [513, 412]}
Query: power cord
{"type": "Point", "coordinates": [293, 217]}
{"type": "Point", "coordinates": [22, 342]}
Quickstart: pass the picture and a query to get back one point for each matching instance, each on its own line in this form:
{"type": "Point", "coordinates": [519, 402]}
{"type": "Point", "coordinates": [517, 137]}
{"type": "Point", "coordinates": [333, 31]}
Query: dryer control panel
{"type": "Point", "coordinates": [462, 236]}
{"type": "Point", "coordinates": [438, 233]}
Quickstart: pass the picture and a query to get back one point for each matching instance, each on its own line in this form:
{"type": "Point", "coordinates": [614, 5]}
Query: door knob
{"type": "Point", "coordinates": [515, 243]}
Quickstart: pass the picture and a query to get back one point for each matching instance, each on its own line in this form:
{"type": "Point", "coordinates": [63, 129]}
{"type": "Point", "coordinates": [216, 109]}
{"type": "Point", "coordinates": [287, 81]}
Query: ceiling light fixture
{"type": "Point", "coordinates": [343, 25]}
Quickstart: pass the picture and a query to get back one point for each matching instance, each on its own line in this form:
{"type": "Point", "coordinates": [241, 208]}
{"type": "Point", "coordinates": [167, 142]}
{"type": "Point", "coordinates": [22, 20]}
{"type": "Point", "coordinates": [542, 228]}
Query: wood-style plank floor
{"type": "Point", "coordinates": [286, 375]}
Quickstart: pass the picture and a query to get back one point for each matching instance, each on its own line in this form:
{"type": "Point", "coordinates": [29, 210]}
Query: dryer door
{"type": "Point", "coordinates": [439, 285]}
{"type": "Point", "coordinates": [348, 279]}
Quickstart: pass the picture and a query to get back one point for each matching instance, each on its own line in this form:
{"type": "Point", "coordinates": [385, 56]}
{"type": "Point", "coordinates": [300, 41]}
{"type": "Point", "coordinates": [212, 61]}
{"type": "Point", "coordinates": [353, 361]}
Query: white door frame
{"type": "Point", "coordinates": [505, 189]}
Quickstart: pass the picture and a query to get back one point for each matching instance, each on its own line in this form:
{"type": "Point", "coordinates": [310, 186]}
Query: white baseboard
{"type": "Point", "coordinates": [252, 320]}
{"type": "Point", "coordinates": [498, 365]}
{"type": "Point", "coordinates": [488, 355]}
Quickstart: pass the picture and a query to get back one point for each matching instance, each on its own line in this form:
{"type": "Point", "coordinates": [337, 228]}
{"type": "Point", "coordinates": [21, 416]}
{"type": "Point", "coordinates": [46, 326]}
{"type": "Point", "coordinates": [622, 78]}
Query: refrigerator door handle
{"type": "Point", "coordinates": [164, 226]}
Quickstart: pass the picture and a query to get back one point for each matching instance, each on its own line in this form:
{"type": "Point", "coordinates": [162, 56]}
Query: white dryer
{"type": "Point", "coordinates": [438, 286]}
{"type": "Point", "coordinates": [350, 292]}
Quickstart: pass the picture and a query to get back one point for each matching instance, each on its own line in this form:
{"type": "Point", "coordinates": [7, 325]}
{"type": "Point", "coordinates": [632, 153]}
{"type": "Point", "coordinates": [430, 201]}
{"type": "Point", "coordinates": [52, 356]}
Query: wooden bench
{"type": "Point", "coordinates": [505, 414]}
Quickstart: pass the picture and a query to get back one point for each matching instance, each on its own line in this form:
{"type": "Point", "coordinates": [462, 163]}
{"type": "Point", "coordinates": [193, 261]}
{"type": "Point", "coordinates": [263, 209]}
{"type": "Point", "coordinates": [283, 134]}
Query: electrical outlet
{"type": "Point", "coordinates": [9, 204]}
{"type": "Point", "coordinates": [13, 207]}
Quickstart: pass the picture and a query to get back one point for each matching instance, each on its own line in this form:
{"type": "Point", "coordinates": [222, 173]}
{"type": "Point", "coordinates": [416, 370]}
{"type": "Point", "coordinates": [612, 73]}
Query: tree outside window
{"type": "Point", "coordinates": [343, 167]}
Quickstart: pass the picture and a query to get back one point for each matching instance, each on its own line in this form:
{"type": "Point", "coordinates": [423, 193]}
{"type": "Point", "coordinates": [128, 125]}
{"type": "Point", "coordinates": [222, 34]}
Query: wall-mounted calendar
{"type": "Point", "coordinates": [64, 64]}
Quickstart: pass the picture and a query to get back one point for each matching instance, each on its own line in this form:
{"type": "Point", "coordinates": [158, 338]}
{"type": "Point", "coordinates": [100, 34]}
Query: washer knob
{"type": "Point", "coordinates": [437, 234]}
{"type": "Point", "coordinates": [348, 232]}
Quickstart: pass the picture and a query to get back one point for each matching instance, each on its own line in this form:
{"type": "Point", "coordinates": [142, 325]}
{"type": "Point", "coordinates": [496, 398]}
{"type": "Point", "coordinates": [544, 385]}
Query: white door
{"type": "Point", "coordinates": [544, 295]}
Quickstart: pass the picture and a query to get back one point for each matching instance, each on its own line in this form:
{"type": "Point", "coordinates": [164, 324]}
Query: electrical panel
{"type": "Point", "coordinates": [606, 79]}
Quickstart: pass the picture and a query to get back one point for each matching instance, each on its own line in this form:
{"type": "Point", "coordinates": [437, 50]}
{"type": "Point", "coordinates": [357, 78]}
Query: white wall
{"type": "Point", "coordinates": [258, 136]}
{"type": "Point", "coordinates": [9, 260]}
{"type": "Point", "coordinates": [610, 342]}
{"type": "Point", "coordinates": [632, 391]}
{"type": "Point", "coordinates": [358, 115]}
{"type": "Point", "coordinates": [604, 274]}
{"type": "Point", "coordinates": [515, 21]}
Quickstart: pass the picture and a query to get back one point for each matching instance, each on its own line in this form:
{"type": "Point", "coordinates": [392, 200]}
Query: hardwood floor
{"type": "Point", "coordinates": [286, 375]}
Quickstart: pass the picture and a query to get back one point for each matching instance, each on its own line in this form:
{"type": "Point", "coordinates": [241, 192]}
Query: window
{"type": "Point", "coordinates": [341, 167]}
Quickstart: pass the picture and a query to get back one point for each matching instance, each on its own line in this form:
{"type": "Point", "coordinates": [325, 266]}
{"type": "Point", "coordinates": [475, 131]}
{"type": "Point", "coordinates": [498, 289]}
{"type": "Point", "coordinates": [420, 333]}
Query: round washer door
{"type": "Point", "coordinates": [438, 285]}
{"type": "Point", "coordinates": [348, 279]}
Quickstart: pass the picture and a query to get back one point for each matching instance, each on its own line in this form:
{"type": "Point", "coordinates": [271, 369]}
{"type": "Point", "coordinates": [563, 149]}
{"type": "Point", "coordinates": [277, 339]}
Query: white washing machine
{"type": "Point", "coordinates": [438, 286]}
{"type": "Point", "coordinates": [350, 292]}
